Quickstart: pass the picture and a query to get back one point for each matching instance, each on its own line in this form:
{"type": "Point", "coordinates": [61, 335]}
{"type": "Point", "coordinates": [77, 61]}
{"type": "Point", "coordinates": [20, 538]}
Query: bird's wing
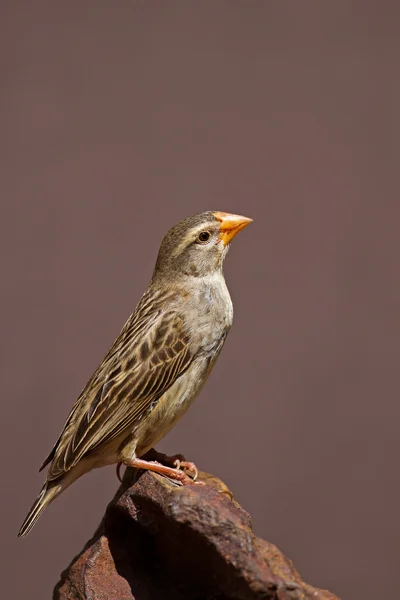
{"type": "Point", "coordinates": [150, 353]}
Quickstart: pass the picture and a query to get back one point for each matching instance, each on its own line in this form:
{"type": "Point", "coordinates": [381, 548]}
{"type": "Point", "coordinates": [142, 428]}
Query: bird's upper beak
{"type": "Point", "coordinates": [230, 225]}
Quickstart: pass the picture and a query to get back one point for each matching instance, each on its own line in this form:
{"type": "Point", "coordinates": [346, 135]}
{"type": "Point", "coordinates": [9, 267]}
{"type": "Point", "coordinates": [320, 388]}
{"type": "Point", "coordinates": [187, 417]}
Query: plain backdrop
{"type": "Point", "coordinates": [117, 120]}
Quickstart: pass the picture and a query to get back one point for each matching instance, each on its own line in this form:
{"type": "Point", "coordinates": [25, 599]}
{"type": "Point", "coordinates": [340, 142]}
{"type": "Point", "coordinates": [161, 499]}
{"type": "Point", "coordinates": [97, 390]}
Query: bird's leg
{"type": "Point", "coordinates": [152, 465]}
{"type": "Point", "coordinates": [176, 460]}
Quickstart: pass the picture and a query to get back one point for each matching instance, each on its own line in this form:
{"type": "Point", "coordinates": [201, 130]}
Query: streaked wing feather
{"type": "Point", "coordinates": [150, 353]}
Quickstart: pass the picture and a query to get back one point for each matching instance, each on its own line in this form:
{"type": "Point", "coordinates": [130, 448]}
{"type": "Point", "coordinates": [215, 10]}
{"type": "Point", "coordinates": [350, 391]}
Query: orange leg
{"type": "Point", "coordinates": [154, 457]}
{"type": "Point", "coordinates": [152, 465]}
{"type": "Point", "coordinates": [177, 460]}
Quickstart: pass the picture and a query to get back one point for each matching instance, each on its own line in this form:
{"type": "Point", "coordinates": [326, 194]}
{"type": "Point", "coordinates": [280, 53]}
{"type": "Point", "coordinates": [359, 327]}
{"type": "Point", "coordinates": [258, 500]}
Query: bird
{"type": "Point", "coordinates": [157, 365]}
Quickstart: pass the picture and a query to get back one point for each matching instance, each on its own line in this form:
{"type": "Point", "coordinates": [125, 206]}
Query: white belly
{"type": "Point", "coordinates": [172, 405]}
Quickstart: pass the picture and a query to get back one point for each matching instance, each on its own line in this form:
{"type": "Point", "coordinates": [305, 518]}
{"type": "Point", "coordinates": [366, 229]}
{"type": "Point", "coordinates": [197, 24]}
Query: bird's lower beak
{"type": "Point", "coordinates": [230, 225]}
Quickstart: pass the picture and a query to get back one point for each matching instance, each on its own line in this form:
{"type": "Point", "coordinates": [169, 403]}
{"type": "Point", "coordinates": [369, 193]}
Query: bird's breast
{"type": "Point", "coordinates": [213, 315]}
{"type": "Point", "coordinates": [213, 301]}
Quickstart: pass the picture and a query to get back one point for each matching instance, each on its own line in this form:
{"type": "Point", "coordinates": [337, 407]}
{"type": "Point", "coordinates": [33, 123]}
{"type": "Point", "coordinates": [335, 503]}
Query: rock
{"type": "Point", "coordinates": [160, 541]}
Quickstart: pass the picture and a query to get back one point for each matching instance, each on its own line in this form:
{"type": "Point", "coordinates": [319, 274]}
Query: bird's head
{"type": "Point", "coordinates": [198, 245]}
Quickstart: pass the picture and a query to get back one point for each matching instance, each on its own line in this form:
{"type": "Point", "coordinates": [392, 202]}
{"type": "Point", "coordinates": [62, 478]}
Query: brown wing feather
{"type": "Point", "coordinates": [150, 353]}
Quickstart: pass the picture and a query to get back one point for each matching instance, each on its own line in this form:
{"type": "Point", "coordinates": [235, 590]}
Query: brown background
{"type": "Point", "coordinates": [117, 120]}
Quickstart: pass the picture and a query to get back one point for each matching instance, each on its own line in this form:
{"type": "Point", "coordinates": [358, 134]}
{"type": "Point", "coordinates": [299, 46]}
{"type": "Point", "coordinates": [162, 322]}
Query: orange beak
{"type": "Point", "coordinates": [230, 225]}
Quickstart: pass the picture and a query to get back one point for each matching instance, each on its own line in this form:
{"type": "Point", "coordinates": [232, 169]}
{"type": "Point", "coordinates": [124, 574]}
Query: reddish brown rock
{"type": "Point", "coordinates": [158, 541]}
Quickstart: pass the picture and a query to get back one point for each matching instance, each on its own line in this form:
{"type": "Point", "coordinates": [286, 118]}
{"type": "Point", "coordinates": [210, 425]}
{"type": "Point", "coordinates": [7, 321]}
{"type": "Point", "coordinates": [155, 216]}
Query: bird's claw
{"type": "Point", "coordinates": [187, 466]}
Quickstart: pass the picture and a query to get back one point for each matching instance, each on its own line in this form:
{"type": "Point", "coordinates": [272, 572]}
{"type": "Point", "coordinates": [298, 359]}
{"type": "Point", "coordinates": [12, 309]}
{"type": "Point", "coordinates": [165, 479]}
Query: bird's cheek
{"type": "Point", "coordinates": [222, 251]}
{"type": "Point", "coordinates": [220, 245]}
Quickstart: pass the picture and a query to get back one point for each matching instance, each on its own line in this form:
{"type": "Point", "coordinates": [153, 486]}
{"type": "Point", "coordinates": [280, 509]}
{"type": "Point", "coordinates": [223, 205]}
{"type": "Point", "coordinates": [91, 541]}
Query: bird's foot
{"type": "Point", "coordinates": [174, 467]}
{"type": "Point", "coordinates": [187, 466]}
{"type": "Point", "coordinates": [176, 460]}
{"type": "Point", "coordinates": [174, 473]}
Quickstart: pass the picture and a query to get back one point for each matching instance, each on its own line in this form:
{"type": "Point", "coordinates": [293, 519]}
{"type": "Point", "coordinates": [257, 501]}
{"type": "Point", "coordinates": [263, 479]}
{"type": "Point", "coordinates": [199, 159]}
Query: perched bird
{"type": "Point", "coordinates": [157, 365]}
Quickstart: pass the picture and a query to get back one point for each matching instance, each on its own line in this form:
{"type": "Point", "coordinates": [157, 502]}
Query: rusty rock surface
{"type": "Point", "coordinates": [160, 541]}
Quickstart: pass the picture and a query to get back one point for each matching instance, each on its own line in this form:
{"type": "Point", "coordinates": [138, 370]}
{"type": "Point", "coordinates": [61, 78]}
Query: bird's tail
{"type": "Point", "coordinates": [47, 494]}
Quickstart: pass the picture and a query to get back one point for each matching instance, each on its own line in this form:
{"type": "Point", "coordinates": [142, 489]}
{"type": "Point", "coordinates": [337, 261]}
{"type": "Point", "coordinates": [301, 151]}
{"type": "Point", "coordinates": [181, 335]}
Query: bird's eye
{"type": "Point", "coordinates": [203, 237]}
